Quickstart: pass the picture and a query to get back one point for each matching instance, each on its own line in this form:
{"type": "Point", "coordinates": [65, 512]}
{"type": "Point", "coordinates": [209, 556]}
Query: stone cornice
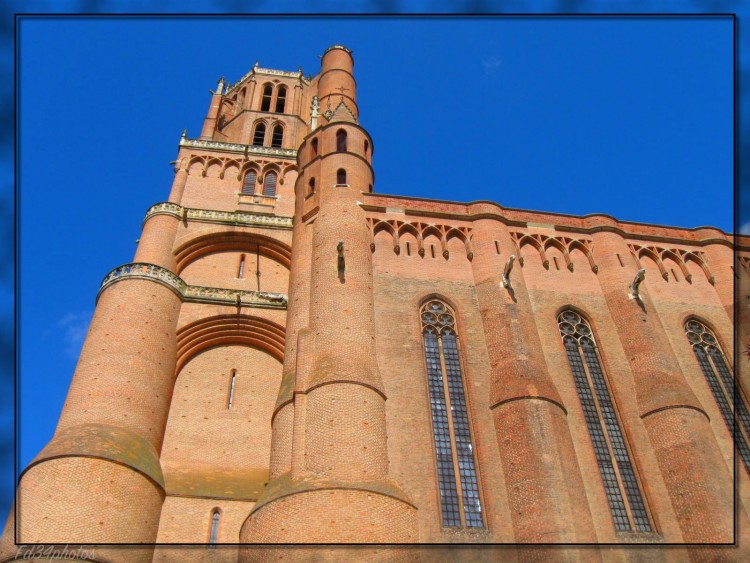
{"type": "Point", "coordinates": [194, 293]}
{"type": "Point", "coordinates": [220, 217]}
{"type": "Point", "coordinates": [237, 148]}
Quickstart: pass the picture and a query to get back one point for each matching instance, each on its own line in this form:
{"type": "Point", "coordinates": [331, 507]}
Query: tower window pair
{"type": "Point", "coordinates": [265, 103]}
{"type": "Point", "coordinates": [259, 136]}
{"type": "Point", "coordinates": [269, 183]}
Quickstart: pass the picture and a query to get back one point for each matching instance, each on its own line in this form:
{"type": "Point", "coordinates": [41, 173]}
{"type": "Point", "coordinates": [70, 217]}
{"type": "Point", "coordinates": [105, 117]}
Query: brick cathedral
{"type": "Point", "coordinates": [294, 358]}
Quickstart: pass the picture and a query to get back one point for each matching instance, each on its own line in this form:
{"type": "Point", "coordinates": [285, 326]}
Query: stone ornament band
{"type": "Point", "coordinates": [222, 217]}
{"type": "Point", "coordinates": [194, 293]}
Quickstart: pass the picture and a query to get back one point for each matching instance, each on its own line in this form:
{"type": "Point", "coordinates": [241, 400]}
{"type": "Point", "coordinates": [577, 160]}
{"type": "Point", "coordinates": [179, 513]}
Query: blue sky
{"type": "Point", "coordinates": [632, 117]}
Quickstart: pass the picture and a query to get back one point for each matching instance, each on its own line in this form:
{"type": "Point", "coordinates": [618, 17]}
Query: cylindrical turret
{"type": "Point", "coordinates": [699, 485]}
{"type": "Point", "coordinates": [530, 419]}
{"type": "Point", "coordinates": [338, 457]}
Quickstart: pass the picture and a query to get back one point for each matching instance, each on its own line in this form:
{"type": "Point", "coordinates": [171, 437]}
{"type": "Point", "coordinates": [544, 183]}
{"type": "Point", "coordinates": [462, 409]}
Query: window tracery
{"type": "Point", "coordinates": [728, 398]}
{"type": "Point", "coordinates": [460, 502]}
{"type": "Point", "coordinates": [628, 510]}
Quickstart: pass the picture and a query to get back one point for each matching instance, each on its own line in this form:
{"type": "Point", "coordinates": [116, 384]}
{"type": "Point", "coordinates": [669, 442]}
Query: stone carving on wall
{"type": "Point", "coordinates": [420, 231]}
{"type": "Point", "coordinates": [679, 256]}
{"type": "Point", "coordinates": [220, 217]}
{"type": "Point", "coordinates": [238, 148]}
{"type": "Point", "coordinates": [564, 244]}
{"type": "Point", "coordinates": [194, 293]}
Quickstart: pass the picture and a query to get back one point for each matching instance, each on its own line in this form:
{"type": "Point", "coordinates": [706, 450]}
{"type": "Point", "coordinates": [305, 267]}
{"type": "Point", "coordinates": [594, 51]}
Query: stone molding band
{"type": "Point", "coordinates": [238, 148]}
{"type": "Point", "coordinates": [194, 293]}
{"type": "Point", "coordinates": [220, 217]}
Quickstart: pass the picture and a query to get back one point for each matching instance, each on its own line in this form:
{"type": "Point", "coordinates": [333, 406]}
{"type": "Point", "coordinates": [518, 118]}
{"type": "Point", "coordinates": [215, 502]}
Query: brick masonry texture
{"type": "Point", "coordinates": [331, 434]}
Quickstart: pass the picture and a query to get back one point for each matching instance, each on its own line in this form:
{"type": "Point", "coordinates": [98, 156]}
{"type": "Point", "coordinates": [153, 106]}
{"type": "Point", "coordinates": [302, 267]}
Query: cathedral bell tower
{"type": "Point", "coordinates": [329, 458]}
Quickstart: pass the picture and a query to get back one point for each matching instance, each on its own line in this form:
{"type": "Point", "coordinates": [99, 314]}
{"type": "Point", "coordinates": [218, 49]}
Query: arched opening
{"type": "Point", "coordinates": [281, 99]}
{"type": "Point", "coordinates": [278, 136]}
{"type": "Point", "coordinates": [341, 177]}
{"type": "Point", "coordinates": [313, 148]}
{"type": "Point", "coordinates": [367, 147]}
{"type": "Point", "coordinates": [622, 490]}
{"type": "Point", "coordinates": [248, 184]}
{"type": "Point", "coordinates": [340, 140]}
{"type": "Point", "coordinates": [311, 186]}
{"type": "Point", "coordinates": [214, 534]}
{"type": "Point", "coordinates": [265, 104]}
{"type": "Point", "coordinates": [460, 501]}
{"type": "Point", "coordinates": [269, 185]}
{"type": "Point", "coordinates": [260, 135]}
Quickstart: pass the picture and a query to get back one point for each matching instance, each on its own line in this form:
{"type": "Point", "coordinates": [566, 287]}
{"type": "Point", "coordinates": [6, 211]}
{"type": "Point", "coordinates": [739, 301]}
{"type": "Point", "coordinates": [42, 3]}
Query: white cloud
{"type": "Point", "coordinates": [72, 329]}
{"type": "Point", "coordinates": [490, 64]}
{"type": "Point", "coordinates": [745, 228]}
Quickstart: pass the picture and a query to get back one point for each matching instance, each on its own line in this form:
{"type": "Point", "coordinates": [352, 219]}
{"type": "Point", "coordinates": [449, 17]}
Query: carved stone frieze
{"type": "Point", "coordinates": [238, 148]}
{"type": "Point", "coordinates": [220, 217]}
{"type": "Point", "coordinates": [194, 293]}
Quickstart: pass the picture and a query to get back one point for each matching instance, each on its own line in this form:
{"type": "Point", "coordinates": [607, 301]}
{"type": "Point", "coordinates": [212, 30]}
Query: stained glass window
{"type": "Point", "coordinates": [618, 475]}
{"type": "Point", "coordinates": [460, 502]}
{"type": "Point", "coordinates": [728, 398]}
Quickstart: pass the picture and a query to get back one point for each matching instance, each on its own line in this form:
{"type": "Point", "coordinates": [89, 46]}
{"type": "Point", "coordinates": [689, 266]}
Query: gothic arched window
{"type": "Point", "coordinates": [260, 135]}
{"type": "Point", "coordinates": [214, 534]}
{"type": "Point", "coordinates": [248, 184]}
{"type": "Point", "coordinates": [341, 177]}
{"type": "Point", "coordinates": [712, 361]}
{"type": "Point", "coordinates": [280, 99]}
{"type": "Point", "coordinates": [277, 137]}
{"type": "Point", "coordinates": [269, 186]}
{"type": "Point", "coordinates": [621, 486]}
{"type": "Point", "coordinates": [265, 104]}
{"type": "Point", "coordinates": [340, 140]}
{"type": "Point", "coordinates": [459, 496]}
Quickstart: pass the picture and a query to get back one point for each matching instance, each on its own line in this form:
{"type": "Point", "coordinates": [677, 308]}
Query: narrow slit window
{"type": "Point", "coordinates": [557, 266]}
{"type": "Point", "coordinates": [367, 146]}
{"type": "Point", "coordinates": [712, 362]}
{"type": "Point", "coordinates": [265, 104]}
{"type": "Point", "coordinates": [231, 390]}
{"type": "Point", "coordinates": [408, 249]}
{"type": "Point", "coordinates": [621, 487]}
{"type": "Point", "coordinates": [497, 247]}
{"type": "Point", "coordinates": [281, 99]}
{"type": "Point", "coordinates": [312, 186]}
{"type": "Point", "coordinates": [277, 137]}
{"type": "Point", "coordinates": [341, 176]}
{"type": "Point", "coordinates": [260, 135]}
{"type": "Point", "coordinates": [313, 148]}
{"type": "Point", "coordinates": [340, 140]}
{"type": "Point", "coordinates": [214, 534]}
{"type": "Point", "coordinates": [248, 184]}
{"type": "Point", "coordinates": [458, 483]}
{"type": "Point", "coordinates": [432, 250]}
{"type": "Point", "coordinates": [269, 186]}
{"type": "Point", "coordinates": [674, 275]}
{"type": "Point", "coordinates": [241, 268]}
{"type": "Point", "coordinates": [620, 260]}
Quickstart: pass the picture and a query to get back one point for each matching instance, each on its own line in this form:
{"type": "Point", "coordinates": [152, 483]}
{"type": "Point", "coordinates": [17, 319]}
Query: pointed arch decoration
{"type": "Point", "coordinates": [460, 501]}
{"type": "Point", "coordinates": [564, 244]}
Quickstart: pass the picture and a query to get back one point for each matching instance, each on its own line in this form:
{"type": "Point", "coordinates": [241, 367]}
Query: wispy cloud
{"type": "Point", "coordinates": [491, 64]}
{"type": "Point", "coordinates": [72, 330]}
{"type": "Point", "coordinates": [745, 228]}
